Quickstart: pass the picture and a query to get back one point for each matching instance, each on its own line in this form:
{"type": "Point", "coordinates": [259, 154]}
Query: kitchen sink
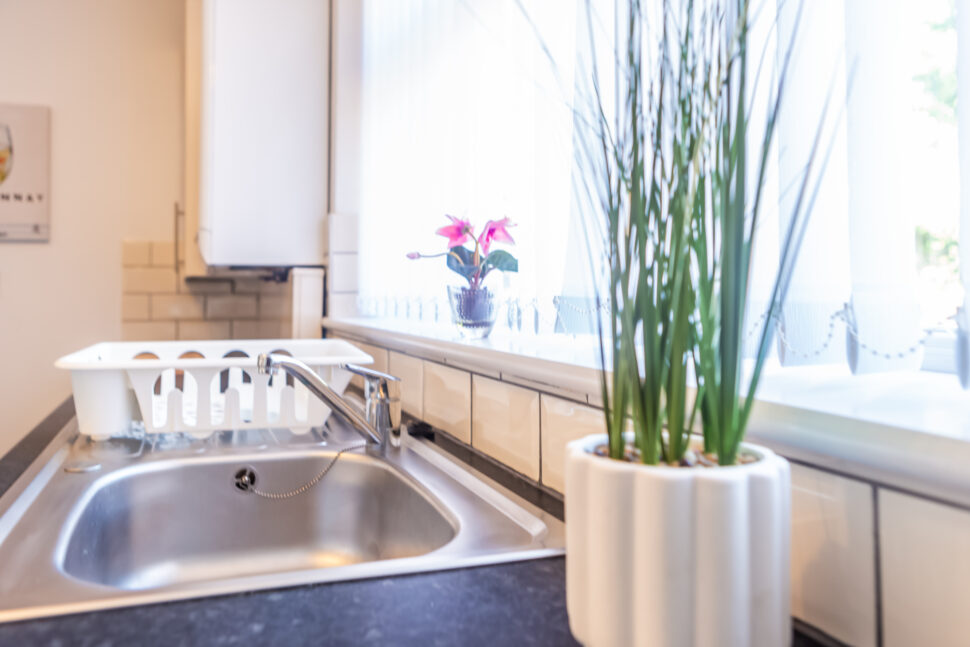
{"type": "Point", "coordinates": [182, 522]}
{"type": "Point", "coordinates": [95, 525]}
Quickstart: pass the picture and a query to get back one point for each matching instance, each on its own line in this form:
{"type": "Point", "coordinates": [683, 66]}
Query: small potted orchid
{"type": "Point", "coordinates": [473, 308]}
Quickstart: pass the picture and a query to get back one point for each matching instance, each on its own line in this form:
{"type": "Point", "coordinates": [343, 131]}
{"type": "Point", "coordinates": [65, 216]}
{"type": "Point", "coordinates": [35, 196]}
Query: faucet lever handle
{"type": "Point", "coordinates": [387, 386]}
{"type": "Point", "coordinates": [382, 393]}
{"type": "Point", "coordinates": [369, 373]}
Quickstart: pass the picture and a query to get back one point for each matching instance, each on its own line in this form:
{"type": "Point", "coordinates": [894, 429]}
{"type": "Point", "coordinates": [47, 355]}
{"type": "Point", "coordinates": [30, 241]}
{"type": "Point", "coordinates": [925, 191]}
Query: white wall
{"type": "Point", "coordinates": [111, 71]}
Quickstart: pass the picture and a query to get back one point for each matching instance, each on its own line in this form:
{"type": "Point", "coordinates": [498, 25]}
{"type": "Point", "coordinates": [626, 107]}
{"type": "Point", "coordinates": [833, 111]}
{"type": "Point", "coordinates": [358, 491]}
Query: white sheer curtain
{"type": "Point", "coordinates": [465, 115]}
{"type": "Point", "coordinates": [814, 33]}
{"type": "Point", "coordinates": [863, 294]}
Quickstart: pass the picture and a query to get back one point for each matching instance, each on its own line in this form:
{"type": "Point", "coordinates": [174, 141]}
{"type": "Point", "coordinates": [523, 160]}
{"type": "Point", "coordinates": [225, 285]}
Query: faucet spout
{"type": "Point", "coordinates": [371, 431]}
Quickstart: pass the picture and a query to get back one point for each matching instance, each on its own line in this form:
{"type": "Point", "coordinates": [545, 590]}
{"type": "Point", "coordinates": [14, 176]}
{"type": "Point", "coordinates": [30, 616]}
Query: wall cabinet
{"type": "Point", "coordinates": [257, 150]}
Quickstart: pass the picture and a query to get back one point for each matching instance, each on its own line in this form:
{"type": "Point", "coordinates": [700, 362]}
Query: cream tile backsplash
{"type": "Point", "coordinates": [380, 356]}
{"type": "Point", "coordinates": [233, 306]}
{"type": "Point", "coordinates": [380, 361]}
{"type": "Point", "coordinates": [136, 254]}
{"type": "Point", "coordinates": [411, 371]}
{"type": "Point", "coordinates": [149, 331]}
{"type": "Point", "coordinates": [205, 330]}
{"type": "Point", "coordinates": [505, 424]}
{"type": "Point", "coordinates": [135, 307]}
{"type": "Point", "coordinates": [158, 304]}
{"type": "Point", "coordinates": [342, 260]}
{"type": "Point", "coordinates": [564, 421]}
{"type": "Point", "coordinates": [149, 280]}
{"type": "Point", "coordinates": [177, 306]}
{"type": "Point", "coordinates": [448, 400]}
{"type": "Point", "coordinates": [504, 421]}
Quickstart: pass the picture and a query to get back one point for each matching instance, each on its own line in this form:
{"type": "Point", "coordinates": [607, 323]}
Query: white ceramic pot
{"type": "Point", "coordinates": [678, 557]}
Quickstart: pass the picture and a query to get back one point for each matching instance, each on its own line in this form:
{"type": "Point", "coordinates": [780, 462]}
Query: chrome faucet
{"type": "Point", "coordinates": [379, 423]}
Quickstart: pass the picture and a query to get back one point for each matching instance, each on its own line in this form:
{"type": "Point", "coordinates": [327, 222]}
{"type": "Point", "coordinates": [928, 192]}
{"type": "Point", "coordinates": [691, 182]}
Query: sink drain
{"type": "Point", "coordinates": [245, 479]}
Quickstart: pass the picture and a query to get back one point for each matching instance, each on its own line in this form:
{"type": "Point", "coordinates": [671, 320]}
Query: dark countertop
{"type": "Point", "coordinates": [522, 603]}
{"type": "Point", "coordinates": [511, 604]}
{"type": "Point", "coordinates": [16, 461]}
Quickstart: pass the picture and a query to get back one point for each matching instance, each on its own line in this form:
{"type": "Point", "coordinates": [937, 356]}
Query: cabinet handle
{"type": "Point", "coordinates": [178, 212]}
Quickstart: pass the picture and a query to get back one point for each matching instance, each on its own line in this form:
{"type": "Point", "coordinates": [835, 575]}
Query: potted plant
{"type": "Point", "coordinates": [675, 538]}
{"type": "Point", "coordinates": [474, 308]}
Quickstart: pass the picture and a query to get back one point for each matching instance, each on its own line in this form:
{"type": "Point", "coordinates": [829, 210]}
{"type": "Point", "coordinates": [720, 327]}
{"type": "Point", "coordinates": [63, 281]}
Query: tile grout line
{"type": "Point", "coordinates": [539, 398]}
{"type": "Point", "coordinates": [876, 484]}
{"type": "Point", "coordinates": [471, 408]}
{"type": "Point", "coordinates": [877, 559]}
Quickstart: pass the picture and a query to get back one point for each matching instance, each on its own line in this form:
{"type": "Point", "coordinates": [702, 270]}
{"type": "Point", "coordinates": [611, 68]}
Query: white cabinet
{"type": "Point", "coordinates": [256, 132]}
{"type": "Point", "coordinates": [833, 579]}
{"type": "Point", "coordinates": [925, 555]}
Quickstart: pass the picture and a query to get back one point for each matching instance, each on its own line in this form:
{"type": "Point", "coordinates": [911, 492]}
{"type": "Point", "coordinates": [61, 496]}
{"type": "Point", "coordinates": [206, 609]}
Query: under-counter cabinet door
{"type": "Point", "coordinates": [833, 567]}
{"type": "Point", "coordinates": [256, 132]}
{"type": "Point", "coordinates": [925, 555]}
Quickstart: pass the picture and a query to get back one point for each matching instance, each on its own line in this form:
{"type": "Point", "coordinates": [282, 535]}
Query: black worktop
{"type": "Point", "coordinates": [511, 604]}
{"type": "Point", "coordinates": [521, 603]}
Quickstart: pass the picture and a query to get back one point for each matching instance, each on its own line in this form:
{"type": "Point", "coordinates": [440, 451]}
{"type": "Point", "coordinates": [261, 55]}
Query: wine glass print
{"type": "Point", "coordinates": [6, 152]}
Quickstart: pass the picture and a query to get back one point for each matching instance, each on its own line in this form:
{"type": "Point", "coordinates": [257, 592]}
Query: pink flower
{"type": "Point", "coordinates": [457, 232]}
{"type": "Point", "coordinates": [495, 231]}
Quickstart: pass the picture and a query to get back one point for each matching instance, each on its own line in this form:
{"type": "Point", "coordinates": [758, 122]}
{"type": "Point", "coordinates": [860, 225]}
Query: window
{"type": "Point", "coordinates": [463, 114]}
{"type": "Point", "coordinates": [883, 237]}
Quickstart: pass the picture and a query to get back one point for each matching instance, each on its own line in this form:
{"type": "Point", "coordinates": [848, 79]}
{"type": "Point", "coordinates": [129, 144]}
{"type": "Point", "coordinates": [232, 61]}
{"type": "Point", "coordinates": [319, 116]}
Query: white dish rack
{"type": "Point", "coordinates": [198, 387]}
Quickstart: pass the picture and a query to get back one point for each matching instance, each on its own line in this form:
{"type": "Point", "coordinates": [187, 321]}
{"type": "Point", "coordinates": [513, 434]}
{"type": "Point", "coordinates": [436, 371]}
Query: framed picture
{"type": "Point", "coordinates": [25, 164]}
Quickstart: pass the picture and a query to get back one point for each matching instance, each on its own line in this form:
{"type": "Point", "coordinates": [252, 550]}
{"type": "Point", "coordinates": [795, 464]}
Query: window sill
{"type": "Point", "coordinates": [907, 431]}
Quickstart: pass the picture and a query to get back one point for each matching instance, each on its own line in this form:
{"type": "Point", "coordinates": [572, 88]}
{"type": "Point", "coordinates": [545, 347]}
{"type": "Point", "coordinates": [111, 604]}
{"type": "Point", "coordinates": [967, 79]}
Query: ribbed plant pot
{"type": "Point", "coordinates": [677, 556]}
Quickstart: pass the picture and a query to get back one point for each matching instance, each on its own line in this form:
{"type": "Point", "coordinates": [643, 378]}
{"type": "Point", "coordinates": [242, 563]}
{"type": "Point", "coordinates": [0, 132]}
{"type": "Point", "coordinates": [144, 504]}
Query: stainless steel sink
{"type": "Point", "coordinates": [182, 522]}
{"type": "Point", "coordinates": [100, 525]}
